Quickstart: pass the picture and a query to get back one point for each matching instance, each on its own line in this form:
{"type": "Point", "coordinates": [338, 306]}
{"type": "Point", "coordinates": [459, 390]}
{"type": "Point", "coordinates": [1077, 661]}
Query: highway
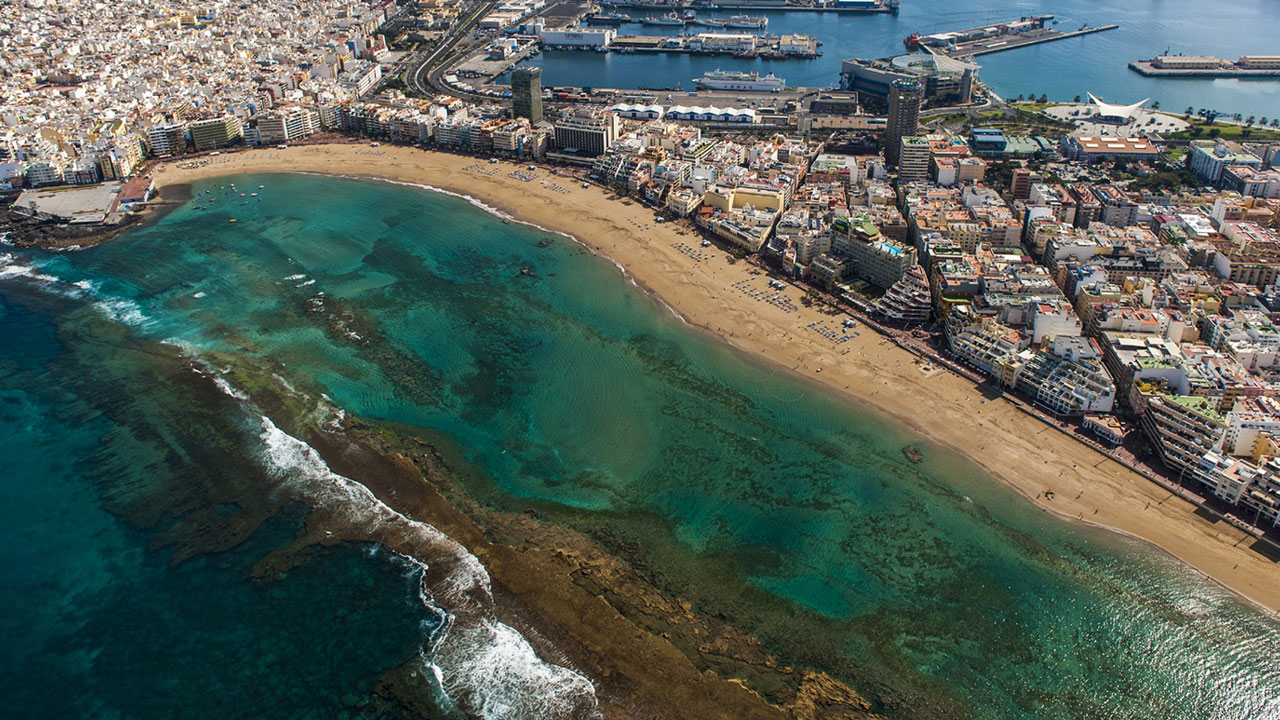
{"type": "Point", "coordinates": [425, 78]}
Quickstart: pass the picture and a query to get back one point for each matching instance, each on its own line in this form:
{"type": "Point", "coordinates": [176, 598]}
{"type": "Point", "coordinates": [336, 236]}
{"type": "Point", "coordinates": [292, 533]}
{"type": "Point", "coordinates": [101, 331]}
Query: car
{"type": "Point", "coordinates": [586, 185]}
{"type": "Point", "coordinates": [533, 167]}
{"type": "Point", "coordinates": [493, 161]}
{"type": "Point", "coordinates": [282, 147]}
{"type": "Point", "coordinates": [374, 144]}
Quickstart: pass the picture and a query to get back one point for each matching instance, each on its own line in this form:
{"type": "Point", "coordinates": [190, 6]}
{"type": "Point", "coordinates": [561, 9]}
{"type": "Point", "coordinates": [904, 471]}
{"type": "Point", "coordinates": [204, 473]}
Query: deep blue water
{"type": "Point", "coordinates": [931, 588]}
{"type": "Point", "coordinates": [1095, 63]}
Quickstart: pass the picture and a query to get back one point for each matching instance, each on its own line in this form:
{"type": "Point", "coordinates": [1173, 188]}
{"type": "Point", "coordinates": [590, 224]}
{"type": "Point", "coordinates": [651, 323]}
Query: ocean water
{"type": "Point", "coordinates": [929, 588]}
{"type": "Point", "coordinates": [1096, 63]}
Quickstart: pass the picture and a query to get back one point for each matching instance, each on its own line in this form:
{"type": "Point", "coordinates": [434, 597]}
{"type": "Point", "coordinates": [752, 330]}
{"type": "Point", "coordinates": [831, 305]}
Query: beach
{"type": "Point", "coordinates": [702, 286]}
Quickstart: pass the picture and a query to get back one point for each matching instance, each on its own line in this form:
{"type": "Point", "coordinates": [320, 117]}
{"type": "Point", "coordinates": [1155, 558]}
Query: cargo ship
{"type": "Point", "coordinates": [746, 22]}
{"type": "Point", "coordinates": [730, 80]}
{"type": "Point", "coordinates": [608, 19]}
{"type": "Point", "coordinates": [670, 19]}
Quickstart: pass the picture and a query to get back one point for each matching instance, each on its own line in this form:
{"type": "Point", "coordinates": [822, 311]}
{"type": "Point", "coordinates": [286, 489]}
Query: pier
{"type": "Point", "coordinates": [883, 6]}
{"type": "Point", "coordinates": [1248, 66]}
{"type": "Point", "coordinates": [734, 43]}
{"type": "Point", "coordinates": [987, 46]}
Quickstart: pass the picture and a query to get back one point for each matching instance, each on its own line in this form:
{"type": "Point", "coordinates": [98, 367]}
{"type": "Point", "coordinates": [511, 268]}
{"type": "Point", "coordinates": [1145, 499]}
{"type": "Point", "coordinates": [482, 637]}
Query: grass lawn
{"type": "Point", "coordinates": [1226, 131]}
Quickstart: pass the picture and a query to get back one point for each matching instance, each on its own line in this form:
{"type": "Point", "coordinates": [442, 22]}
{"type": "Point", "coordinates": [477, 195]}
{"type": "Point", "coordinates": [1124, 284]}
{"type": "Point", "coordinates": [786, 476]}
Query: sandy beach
{"type": "Point", "coordinates": [1031, 457]}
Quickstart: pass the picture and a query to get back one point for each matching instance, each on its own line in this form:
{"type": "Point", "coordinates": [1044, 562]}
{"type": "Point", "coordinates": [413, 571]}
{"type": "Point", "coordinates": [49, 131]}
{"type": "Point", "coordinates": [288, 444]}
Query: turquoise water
{"type": "Point", "coordinates": [929, 588]}
{"type": "Point", "coordinates": [1062, 70]}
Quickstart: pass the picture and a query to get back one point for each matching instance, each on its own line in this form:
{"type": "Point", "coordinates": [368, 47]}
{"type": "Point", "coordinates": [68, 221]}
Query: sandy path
{"type": "Point", "coordinates": [1028, 455]}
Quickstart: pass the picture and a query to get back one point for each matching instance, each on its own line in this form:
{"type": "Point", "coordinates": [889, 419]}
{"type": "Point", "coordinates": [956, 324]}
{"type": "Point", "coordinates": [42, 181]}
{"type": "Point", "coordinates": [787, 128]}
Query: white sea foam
{"type": "Point", "coordinates": [312, 281]}
{"type": "Point", "coordinates": [485, 666]}
{"type": "Point", "coordinates": [198, 295]}
{"type": "Point", "coordinates": [118, 309]}
{"type": "Point", "coordinates": [299, 276]}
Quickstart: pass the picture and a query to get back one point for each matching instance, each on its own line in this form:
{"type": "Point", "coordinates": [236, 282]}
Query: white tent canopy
{"type": "Point", "coordinates": [1119, 112]}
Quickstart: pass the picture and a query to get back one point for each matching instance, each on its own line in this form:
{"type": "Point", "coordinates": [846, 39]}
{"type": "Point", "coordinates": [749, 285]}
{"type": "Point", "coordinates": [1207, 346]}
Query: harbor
{"type": "Point", "coordinates": [839, 6]}
{"type": "Point", "coordinates": [1248, 66]}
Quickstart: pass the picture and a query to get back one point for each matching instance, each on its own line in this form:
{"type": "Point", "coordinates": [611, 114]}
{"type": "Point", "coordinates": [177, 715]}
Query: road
{"type": "Point", "coordinates": [425, 78]}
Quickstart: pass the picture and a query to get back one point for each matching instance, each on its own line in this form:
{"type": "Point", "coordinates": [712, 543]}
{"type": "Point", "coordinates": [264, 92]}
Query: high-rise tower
{"type": "Point", "coordinates": [904, 116]}
{"type": "Point", "coordinates": [526, 93]}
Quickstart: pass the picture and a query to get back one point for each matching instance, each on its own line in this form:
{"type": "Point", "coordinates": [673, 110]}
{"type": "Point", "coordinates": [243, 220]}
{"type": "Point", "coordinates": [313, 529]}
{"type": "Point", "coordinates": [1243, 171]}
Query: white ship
{"type": "Point", "coordinates": [729, 80]}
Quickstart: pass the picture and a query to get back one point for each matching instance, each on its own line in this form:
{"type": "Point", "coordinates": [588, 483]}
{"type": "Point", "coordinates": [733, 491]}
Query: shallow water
{"type": "Point", "coordinates": [930, 588]}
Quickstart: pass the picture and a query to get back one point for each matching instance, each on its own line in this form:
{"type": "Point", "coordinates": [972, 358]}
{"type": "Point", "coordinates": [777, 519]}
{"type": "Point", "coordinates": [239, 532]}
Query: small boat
{"type": "Point", "coordinates": [253, 194]}
{"type": "Point", "coordinates": [261, 186]}
{"type": "Point", "coordinates": [232, 220]}
{"type": "Point", "coordinates": [746, 22]}
{"type": "Point", "coordinates": [670, 19]}
{"type": "Point", "coordinates": [545, 242]}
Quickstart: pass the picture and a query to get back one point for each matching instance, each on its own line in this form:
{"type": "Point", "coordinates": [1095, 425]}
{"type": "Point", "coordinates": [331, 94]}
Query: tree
{"type": "Point", "coordinates": [1263, 121]}
{"type": "Point", "coordinates": [1214, 132]}
{"type": "Point", "coordinates": [1020, 98]}
{"type": "Point", "coordinates": [1245, 132]}
{"type": "Point", "coordinates": [1197, 130]}
{"type": "Point", "coordinates": [1075, 99]}
{"type": "Point", "coordinates": [1187, 112]}
{"type": "Point", "coordinates": [1043, 98]}
{"type": "Point", "coordinates": [1155, 105]}
{"type": "Point", "coordinates": [1248, 120]}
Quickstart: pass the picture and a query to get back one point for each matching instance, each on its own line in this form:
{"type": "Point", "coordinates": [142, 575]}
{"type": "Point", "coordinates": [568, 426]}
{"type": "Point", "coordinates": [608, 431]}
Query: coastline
{"type": "Point", "coordinates": [869, 370]}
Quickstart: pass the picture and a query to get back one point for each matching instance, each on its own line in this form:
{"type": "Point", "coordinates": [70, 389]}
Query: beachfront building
{"type": "Point", "coordinates": [1065, 375]}
{"type": "Point", "coordinates": [167, 139]}
{"type": "Point", "coordinates": [587, 131]}
{"type": "Point", "coordinates": [287, 124]}
{"type": "Point", "coordinates": [215, 132]}
{"type": "Point", "coordinates": [908, 302]}
{"type": "Point", "coordinates": [875, 258]}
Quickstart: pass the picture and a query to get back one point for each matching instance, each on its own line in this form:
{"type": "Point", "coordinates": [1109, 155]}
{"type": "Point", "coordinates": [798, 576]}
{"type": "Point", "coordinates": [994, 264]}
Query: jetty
{"type": "Point", "coordinates": [839, 6]}
{"type": "Point", "coordinates": [987, 46]}
{"type": "Point", "coordinates": [1248, 66]}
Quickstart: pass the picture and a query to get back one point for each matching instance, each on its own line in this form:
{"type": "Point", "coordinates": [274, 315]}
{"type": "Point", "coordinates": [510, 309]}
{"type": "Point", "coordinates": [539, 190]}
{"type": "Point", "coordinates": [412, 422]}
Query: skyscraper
{"type": "Point", "coordinates": [904, 116]}
{"type": "Point", "coordinates": [526, 93]}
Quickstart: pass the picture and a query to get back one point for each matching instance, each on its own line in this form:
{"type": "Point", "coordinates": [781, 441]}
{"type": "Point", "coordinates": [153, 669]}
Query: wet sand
{"type": "Point", "coordinates": [1031, 457]}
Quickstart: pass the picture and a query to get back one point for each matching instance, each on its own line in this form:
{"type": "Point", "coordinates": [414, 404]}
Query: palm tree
{"type": "Point", "coordinates": [1263, 121]}
{"type": "Point", "coordinates": [1076, 99]}
{"type": "Point", "coordinates": [1155, 105]}
{"type": "Point", "coordinates": [1249, 120]}
{"type": "Point", "coordinates": [1188, 111]}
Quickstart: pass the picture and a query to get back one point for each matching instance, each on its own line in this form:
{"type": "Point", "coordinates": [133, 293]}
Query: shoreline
{"type": "Point", "coordinates": [1119, 500]}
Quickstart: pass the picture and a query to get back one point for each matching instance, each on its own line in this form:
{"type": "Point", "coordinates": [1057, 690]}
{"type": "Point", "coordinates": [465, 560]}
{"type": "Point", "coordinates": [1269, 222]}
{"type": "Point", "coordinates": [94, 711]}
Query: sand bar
{"type": "Point", "coordinates": [948, 409]}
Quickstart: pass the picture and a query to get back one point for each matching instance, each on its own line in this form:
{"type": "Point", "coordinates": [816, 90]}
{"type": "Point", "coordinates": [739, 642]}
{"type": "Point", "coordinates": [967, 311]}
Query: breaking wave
{"type": "Point", "coordinates": [481, 666]}
{"type": "Point", "coordinates": [121, 310]}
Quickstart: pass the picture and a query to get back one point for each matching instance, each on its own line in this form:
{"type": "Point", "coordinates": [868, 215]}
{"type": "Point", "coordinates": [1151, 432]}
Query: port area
{"type": "Point", "coordinates": [987, 46]}
{"type": "Point", "coordinates": [1249, 66]}
{"type": "Point", "coordinates": [848, 7]}
{"type": "Point", "coordinates": [725, 42]}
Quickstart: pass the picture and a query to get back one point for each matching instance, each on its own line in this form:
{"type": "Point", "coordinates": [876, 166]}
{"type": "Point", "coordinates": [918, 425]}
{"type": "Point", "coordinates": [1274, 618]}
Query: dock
{"type": "Point", "coordinates": [987, 46]}
{"type": "Point", "coordinates": [882, 6]}
{"type": "Point", "coordinates": [1248, 66]}
{"type": "Point", "coordinates": [738, 44]}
